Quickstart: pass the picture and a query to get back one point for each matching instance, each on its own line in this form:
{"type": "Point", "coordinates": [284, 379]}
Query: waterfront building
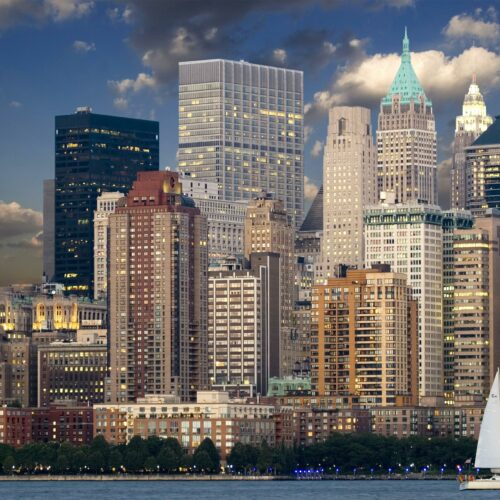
{"type": "Point", "coordinates": [268, 229]}
{"type": "Point", "coordinates": [406, 138]}
{"type": "Point", "coordinates": [158, 291]}
{"type": "Point", "coordinates": [473, 121]}
{"type": "Point", "coordinates": [48, 236]}
{"type": "Point", "coordinates": [106, 204]}
{"type": "Point", "coordinates": [349, 185]}
{"type": "Point", "coordinates": [73, 371]}
{"type": "Point", "coordinates": [483, 171]}
{"type": "Point", "coordinates": [452, 220]}
{"type": "Point", "coordinates": [241, 127]}
{"type": "Point", "coordinates": [409, 237]}
{"type": "Point", "coordinates": [476, 302]}
{"type": "Point", "coordinates": [213, 415]}
{"type": "Point", "coordinates": [59, 423]}
{"type": "Point", "coordinates": [364, 338]}
{"type": "Point", "coordinates": [93, 153]}
{"type": "Point", "coordinates": [244, 324]}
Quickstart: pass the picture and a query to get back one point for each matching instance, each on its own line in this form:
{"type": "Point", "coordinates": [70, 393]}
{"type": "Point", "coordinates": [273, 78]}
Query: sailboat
{"type": "Point", "coordinates": [488, 446]}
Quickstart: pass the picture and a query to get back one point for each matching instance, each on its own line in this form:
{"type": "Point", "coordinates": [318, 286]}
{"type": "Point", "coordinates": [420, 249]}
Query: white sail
{"type": "Point", "coordinates": [488, 447]}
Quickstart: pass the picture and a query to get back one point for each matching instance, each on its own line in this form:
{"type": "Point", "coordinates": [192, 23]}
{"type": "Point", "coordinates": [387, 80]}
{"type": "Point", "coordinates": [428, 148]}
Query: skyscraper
{"type": "Point", "coordinates": [94, 153]}
{"type": "Point", "coordinates": [241, 126]}
{"type": "Point", "coordinates": [473, 121]}
{"type": "Point", "coordinates": [363, 338]}
{"type": "Point", "coordinates": [158, 291]}
{"type": "Point", "coordinates": [349, 185]}
{"type": "Point", "coordinates": [48, 229]}
{"type": "Point", "coordinates": [106, 205]}
{"type": "Point", "coordinates": [268, 229]}
{"type": "Point", "coordinates": [482, 159]}
{"type": "Point", "coordinates": [476, 306]}
{"type": "Point", "coordinates": [406, 138]}
{"type": "Point", "coordinates": [409, 237]}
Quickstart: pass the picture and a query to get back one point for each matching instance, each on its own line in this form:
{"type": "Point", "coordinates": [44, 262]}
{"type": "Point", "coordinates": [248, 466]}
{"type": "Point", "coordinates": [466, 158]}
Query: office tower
{"type": "Point", "coordinates": [362, 340]}
{"type": "Point", "coordinates": [244, 324]}
{"type": "Point", "coordinates": [349, 185]}
{"type": "Point", "coordinates": [225, 219]}
{"type": "Point", "coordinates": [268, 229]}
{"type": "Point", "coordinates": [94, 153]}
{"type": "Point", "coordinates": [158, 291]}
{"type": "Point", "coordinates": [473, 121]}
{"type": "Point", "coordinates": [406, 138]}
{"type": "Point", "coordinates": [476, 308]}
{"type": "Point", "coordinates": [73, 370]}
{"type": "Point", "coordinates": [106, 204]}
{"type": "Point", "coordinates": [483, 171]}
{"type": "Point", "coordinates": [409, 237]}
{"type": "Point", "coordinates": [452, 220]}
{"type": "Point", "coordinates": [49, 251]}
{"type": "Point", "coordinates": [241, 126]}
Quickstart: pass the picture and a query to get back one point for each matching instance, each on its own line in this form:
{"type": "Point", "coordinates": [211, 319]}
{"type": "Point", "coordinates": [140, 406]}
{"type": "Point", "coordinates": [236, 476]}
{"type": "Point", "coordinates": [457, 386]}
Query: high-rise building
{"type": "Point", "coordinates": [225, 219]}
{"type": "Point", "coordinates": [473, 121]}
{"type": "Point", "coordinates": [452, 220]}
{"type": "Point", "coordinates": [158, 291]}
{"type": "Point", "coordinates": [106, 204]}
{"type": "Point", "coordinates": [349, 185]}
{"type": "Point", "coordinates": [241, 126]}
{"type": "Point", "coordinates": [244, 324]}
{"type": "Point", "coordinates": [476, 306]}
{"type": "Point", "coordinates": [409, 237]}
{"type": "Point", "coordinates": [406, 138]}
{"type": "Point", "coordinates": [268, 228]}
{"type": "Point", "coordinates": [363, 339]}
{"type": "Point", "coordinates": [48, 229]}
{"type": "Point", "coordinates": [94, 153]}
{"type": "Point", "coordinates": [483, 171]}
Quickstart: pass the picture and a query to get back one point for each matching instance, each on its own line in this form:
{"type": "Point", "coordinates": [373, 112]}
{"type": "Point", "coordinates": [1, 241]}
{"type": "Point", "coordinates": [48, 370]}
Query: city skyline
{"type": "Point", "coordinates": [456, 41]}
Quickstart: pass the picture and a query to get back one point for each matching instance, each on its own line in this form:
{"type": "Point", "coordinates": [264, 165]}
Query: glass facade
{"type": "Point", "coordinates": [93, 153]}
{"type": "Point", "coordinates": [241, 126]}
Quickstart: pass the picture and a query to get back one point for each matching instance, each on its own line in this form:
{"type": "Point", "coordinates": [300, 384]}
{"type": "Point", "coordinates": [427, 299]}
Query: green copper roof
{"type": "Point", "coordinates": [405, 82]}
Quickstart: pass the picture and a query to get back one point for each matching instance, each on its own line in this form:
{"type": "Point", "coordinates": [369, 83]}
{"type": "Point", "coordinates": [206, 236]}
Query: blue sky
{"type": "Point", "coordinates": [120, 57]}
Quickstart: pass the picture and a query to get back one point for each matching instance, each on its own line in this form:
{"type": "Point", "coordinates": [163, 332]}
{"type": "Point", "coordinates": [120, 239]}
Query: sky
{"type": "Point", "coordinates": [121, 57]}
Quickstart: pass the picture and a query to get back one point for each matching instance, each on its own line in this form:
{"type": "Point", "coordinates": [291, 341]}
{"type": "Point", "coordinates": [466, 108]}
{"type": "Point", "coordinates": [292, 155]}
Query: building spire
{"type": "Point", "coordinates": [474, 78]}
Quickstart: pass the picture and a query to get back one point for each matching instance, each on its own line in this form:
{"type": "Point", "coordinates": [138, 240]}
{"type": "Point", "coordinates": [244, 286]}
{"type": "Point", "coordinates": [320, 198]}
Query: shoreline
{"type": "Point", "coordinates": [223, 477]}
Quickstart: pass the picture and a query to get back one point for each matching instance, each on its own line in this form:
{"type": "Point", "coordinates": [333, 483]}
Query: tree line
{"type": "Point", "coordinates": [339, 454]}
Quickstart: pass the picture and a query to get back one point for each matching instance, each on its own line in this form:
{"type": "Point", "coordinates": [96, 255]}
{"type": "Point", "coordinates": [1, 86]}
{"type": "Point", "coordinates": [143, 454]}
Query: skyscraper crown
{"type": "Point", "coordinates": [405, 82]}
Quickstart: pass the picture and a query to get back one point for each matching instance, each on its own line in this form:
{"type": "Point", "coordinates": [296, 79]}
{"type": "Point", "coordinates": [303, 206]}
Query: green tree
{"type": "Point", "coordinates": [207, 446]}
{"type": "Point", "coordinates": [202, 462]}
{"type": "Point", "coordinates": [168, 460]}
{"type": "Point", "coordinates": [265, 458]}
{"type": "Point", "coordinates": [151, 464]}
{"type": "Point", "coordinates": [8, 464]}
{"type": "Point", "coordinates": [115, 460]}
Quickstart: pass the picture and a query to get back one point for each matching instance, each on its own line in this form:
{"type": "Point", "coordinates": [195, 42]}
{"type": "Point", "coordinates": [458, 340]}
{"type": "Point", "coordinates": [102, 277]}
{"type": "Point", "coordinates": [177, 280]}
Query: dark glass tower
{"type": "Point", "coordinates": [93, 153]}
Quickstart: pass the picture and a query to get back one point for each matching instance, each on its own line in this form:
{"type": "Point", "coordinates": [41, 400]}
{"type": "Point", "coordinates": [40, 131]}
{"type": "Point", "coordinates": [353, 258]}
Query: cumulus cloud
{"type": "Point", "coordinates": [444, 78]}
{"type": "Point", "coordinates": [17, 221]}
{"type": "Point", "coordinates": [280, 55]}
{"type": "Point", "coordinates": [479, 27]}
{"type": "Point", "coordinates": [83, 47]}
{"type": "Point", "coordinates": [120, 103]}
{"type": "Point", "coordinates": [310, 189]}
{"type": "Point", "coordinates": [317, 148]}
{"type": "Point", "coordinates": [15, 104]}
{"type": "Point", "coordinates": [127, 85]}
{"type": "Point", "coordinates": [13, 12]}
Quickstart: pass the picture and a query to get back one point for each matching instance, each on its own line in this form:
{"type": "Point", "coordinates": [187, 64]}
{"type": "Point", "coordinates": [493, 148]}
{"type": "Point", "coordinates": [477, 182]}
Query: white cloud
{"type": "Point", "coordinates": [310, 189]}
{"type": "Point", "coordinates": [15, 104]}
{"type": "Point", "coordinates": [120, 103]}
{"type": "Point", "coordinates": [308, 130]}
{"type": "Point", "coordinates": [61, 10]}
{"type": "Point", "coordinates": [443, 78]}
{"type": "Point", "coordinates": [16, 220]}
{"type": "Point", "coordinates": [474, 27]}
{"type": "Point", "coordinates": [143, 81]}
{"type": "Point", "coordinates": [317, 148]}
{"type": "Point", "coordinates": [83, 47]}
{"type": "Point", "coordinates": [279, 55]}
